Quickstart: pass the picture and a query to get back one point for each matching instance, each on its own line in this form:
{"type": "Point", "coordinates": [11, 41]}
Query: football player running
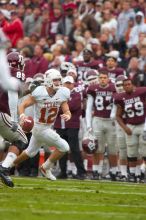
{"type": "Point", "coordinates": [46, 100]}
{"type": "Point", "coordinates": [9, 127]}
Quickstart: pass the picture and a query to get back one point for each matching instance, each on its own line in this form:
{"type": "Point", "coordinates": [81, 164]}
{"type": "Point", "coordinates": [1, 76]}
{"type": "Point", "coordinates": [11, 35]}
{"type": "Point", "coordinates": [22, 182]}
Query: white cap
{"type": "Point", "coordinates": [71, 71]}
{"type": "Point", "coordinates": [60, 42]}
{"type": "Point", "coordinates": [68, 79]}
{"type": "Point", "coordinates": [15, 2]}
{"type": "Point", "coordinates": [80, 39]}
{"type": "Point", "coordinates": [114, 53]}
{"type": "Point", "coordinates": [94, 41]}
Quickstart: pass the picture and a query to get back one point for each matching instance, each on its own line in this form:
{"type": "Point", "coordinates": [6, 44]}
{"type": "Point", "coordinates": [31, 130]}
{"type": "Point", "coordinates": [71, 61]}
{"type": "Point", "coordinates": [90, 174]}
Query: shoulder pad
{"type": "Point", "coordinates": [65, 93]}
{"type": "Point", "coordinates": [37, 91]}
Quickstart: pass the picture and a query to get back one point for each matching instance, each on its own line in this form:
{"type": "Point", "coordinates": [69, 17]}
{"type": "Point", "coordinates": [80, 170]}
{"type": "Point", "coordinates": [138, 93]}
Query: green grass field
{"type": "Point", "coordinates": [38, 198]}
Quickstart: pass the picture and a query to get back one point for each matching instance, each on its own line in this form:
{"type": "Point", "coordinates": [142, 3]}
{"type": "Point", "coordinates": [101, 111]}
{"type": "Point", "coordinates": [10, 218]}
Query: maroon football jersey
{"type": "Point", "coordinates": [102, 99]}
{"type": "Point", "coordinates": [4, 107]}
{"type": "Point", "coordinates": [133, 105]}
{"type": "Point", "coordinates": [114, 73]}
{"type": "Point", "coordinates": [76, 111]}
{"type": "Point", "coordinates": [83, 67]}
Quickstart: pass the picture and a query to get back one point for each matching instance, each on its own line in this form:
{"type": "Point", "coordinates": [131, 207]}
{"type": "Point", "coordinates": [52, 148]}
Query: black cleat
{"type": "Point", "coordinates": [62, 176]}
{"type": "Point", "coordinates": [79, 176]}
{"type": "Point", "coordinates": [132, 178]}
{"type": "Point", "coordinates": [113, 176]}
{"type": "Point", "coordinates": [4, 175]}
{"type": "Point", "coordinates": [95, 176]}
{"type": "Point", "coordinates": [123, 178]}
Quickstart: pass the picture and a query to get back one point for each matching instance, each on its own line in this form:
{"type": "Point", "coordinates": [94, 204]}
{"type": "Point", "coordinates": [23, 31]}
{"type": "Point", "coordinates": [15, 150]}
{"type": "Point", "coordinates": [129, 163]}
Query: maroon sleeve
{"type": "Point", "coordinates": [91, 90]}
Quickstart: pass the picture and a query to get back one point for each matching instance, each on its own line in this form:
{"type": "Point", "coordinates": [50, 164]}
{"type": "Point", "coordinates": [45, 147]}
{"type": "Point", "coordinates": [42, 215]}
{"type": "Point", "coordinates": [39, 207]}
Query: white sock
{"type": "Point", "coordinates": [73, 168]}
{"type": "Point", "coordinates": [132, 170]}
{"type": "Point", "coordinates": [8, 162]}
{"type": "Point", "coordinates": [143, 167]}
{"type": "Point", "coordinates": [94, 167]}
{"type": "Point", "coordinates": [114, 170]}
{"type": "Point", "coordinates": [68, 165]}
{"type": "Point", "coordinates": [138, 171]}
{"type": "Point", "coordinates": [85, 164]}
{"type": "Point", "coordinates": [123, 169]}
{"type": "Point", "coordinates": [100, 166]}
{"type": "Point", "coordinates": [48, 164]}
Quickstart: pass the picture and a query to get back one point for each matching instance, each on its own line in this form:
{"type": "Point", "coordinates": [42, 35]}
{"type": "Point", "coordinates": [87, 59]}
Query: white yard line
{"type": "Point", "coordinates": [57, 212]}
{"type": "Point", "coordinates": [93, 182]}
{"type": "Point", "coordinates": [57, 188]}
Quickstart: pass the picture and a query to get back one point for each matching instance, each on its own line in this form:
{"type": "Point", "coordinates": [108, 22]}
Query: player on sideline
{"type": "Point", "coordinates": [46, 100]}
{"type": "Point", "coordinates": [131, 103]}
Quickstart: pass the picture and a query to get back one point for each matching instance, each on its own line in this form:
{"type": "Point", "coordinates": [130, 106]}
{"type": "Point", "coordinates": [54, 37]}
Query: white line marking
{"type": "Point", "coordinates": [57, 212]}
{"type": "Point", "coordinates": [51, 188]}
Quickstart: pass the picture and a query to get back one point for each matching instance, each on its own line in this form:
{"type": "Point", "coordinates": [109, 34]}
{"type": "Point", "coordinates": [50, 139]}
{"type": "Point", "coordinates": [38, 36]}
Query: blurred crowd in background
{"type": "Point", "coordinates": [50, 32]}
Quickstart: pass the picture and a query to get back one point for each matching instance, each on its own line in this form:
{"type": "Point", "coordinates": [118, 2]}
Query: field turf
{"type": "Point", "coordinates": [40, 199]}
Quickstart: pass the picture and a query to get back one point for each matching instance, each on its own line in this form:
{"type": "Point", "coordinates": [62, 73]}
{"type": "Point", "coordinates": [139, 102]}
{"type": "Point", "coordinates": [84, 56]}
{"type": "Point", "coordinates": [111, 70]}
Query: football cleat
{"type": "Point", "coordinates": [95, 176]}
{"type": "Point", "coordinates": [132, 178]}
{"type": "Point", "coordinates": [6, 179]}
{"type": "Point", "coordinates": [47, 173]}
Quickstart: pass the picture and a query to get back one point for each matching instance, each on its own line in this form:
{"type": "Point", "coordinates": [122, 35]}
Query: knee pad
{"type": "Point", "coordinates": [62, 145]}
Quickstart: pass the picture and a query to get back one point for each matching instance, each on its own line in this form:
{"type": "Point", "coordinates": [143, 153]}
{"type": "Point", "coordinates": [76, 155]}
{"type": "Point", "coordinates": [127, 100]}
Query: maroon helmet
{"type": "Point", "coordinates": [16, 60]}
{"type": "Point", "coordinates": [92, 75]}
{"type": "Point", "coordinates": [90, 144]}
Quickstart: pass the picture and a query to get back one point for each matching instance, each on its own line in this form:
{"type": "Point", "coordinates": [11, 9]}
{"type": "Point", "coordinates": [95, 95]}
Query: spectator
{"type": "Point", "coordinates": [15, 29]}
{"type": "Point", "coordinates": [32, 23]}
{"type": "Point", "coordinates": [38, 64]}
{"type": "Point", "coordinates": [123, 19]}
{"type": "Point", "coordinates": [66, 23]}
{"type": "Point", "coordinates": [139, 27]}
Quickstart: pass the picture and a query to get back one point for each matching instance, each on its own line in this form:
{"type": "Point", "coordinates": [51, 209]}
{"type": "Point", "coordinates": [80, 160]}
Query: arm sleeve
{"type": "Point", "coordinates": [113, 112]}
{"type": "Point", "coordinates": [13, 105]}
{"type": "Point", "coordinates": [89, 107]}
{"type": "Point", "coordinates": [144, 125]}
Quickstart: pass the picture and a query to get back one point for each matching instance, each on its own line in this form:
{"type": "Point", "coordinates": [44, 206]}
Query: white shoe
{"type": "Point", "coordinates": [47, 173]}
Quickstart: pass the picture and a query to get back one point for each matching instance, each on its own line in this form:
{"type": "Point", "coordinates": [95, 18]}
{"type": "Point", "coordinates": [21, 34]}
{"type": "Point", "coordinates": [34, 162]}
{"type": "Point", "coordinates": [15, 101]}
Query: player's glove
{"type": "Point", "coordinates": [144, 135]}
{"type": "Point", "coordinates": [14, 126]}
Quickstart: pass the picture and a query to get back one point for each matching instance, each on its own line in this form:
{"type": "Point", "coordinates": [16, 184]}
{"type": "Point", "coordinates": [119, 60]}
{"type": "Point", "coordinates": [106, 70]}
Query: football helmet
{"type": "Point", "coordinates": [119, 83]}
{"type": "Point", "coordinates": [39, 77]}
{"type": "Point", "coordinates": [16, 60]}
{"type": "Point", "coordinates": [92, 76]}
{"type": "Point", "coordinates": [65, 66]}
{"type": "Point", "coordinates": [50, 76]}
{"type": "Point", "coordinates": [89, 143]}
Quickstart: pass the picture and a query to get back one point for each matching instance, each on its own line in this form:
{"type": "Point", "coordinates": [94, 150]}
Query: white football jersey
{"type": "Point", "coordinates": [47, 107]}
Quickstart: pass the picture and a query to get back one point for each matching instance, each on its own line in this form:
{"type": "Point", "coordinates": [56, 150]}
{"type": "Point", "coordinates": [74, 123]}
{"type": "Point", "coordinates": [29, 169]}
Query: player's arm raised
{"type": "Point", "coordinates": [119, 118]}
{"type": "Point", "coordinates": [66, 112]}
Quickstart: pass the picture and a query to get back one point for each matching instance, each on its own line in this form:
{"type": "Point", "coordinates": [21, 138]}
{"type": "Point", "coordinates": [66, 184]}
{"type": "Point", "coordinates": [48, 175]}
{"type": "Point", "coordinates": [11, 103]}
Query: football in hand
{"type": "Point", "coordinates": [28, 124]}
